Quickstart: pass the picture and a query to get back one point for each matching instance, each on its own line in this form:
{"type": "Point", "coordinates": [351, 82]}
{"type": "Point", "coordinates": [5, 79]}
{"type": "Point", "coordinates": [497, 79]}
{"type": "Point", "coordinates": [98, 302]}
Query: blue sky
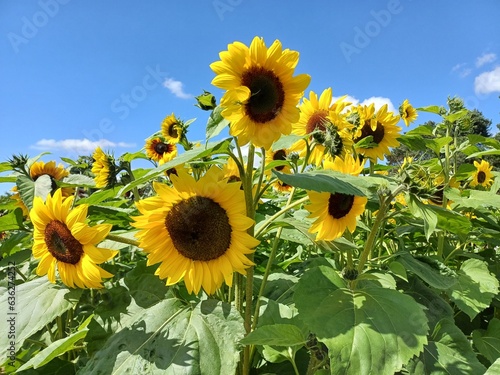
{"type": "Point", "coordinates": [76, 74]}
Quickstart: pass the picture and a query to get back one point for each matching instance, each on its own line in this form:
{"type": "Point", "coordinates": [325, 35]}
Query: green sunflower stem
{"type": "Point", "coordinates": [128, 241]}
{"type": "Point", "coordinates": [269, 220]}
{"type": "Point", "coordinates": [377, 224]}
{"type": "Point", "coordinates": [250, 207]}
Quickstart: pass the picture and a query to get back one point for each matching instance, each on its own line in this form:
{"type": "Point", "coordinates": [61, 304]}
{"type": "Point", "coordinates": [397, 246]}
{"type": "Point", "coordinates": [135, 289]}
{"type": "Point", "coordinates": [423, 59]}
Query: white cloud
{"type": "Point", "coordinates": [378, 102]}
{"type": "Point", "coordinates": [176, 88]}
{"type": "Point", "coordinates": [488, 82]}
{"type": "Point", "coordinates": [83, 146]}
{"type": "Point", "coordinates": [485, 58]}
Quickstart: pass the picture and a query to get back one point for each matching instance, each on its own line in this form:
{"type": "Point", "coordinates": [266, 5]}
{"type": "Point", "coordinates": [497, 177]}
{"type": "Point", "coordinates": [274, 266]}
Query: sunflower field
{"type": "Point", "coordinates": [289, 246]}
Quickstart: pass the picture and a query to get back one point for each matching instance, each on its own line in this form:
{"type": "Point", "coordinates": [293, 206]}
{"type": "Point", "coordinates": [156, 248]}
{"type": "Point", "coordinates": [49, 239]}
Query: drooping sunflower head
{"type": "Point", "coordinates": [160, 150]}
{"type": "Point", "coordinates": [482, 176]}
{"type": "Point", "coordinates": [262, 93]}
{"type": "Point", "coordinates": [40, 168]}
{"type": "Point", "coordinates": [230, 171]}
{"type": "Point", "coordinates": [103, 168]}
{"type": "Point", "coordinates": [196, 230]}
{"type": "Point", "coordinates": [55, 172]}
{"type": "Point", "coordinates": [172, 129]}
{"type": "Point", "coordinates": [438, 186]}
{"type": "Point", "coordinates": [63, 241]}
{"type": "Point", "coordinates": [378, 129]}
{"type": "Point", "coordinates": [407, 112]}
{"type": "Point", "coordinates": [347, 165]}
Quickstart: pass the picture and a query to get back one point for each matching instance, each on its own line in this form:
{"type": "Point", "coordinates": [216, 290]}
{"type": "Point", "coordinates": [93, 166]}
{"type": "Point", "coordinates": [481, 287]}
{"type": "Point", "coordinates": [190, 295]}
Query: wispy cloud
{"type": "Point", "coordinates": [77, 145]}
{"type": "Point", "coordinates": [488, 82]}
{"type": "Point", "coordinates": [176, 88]}
{"type": "Point", "coordinates": [485, 58]}
{"type": "Point", "coordinates": [462, 70]}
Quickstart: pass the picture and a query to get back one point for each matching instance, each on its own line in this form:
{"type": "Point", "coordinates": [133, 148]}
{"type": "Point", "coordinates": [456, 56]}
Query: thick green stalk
{"type": "Point", "coordinates": [116, 238]}
{"type": "Point", "coordinates": [250, 207]}
{"type": "Point", "coordinates": [379, 220]}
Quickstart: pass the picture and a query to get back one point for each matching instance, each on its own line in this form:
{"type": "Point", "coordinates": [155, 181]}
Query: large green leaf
{"type": "Point", "coordinates": [276, 334]}
{"type": "Point", "coordinates": [494, 369]}
{"type": "Point", "coordinates": [77, 180]}
{"type": "Point", "coordinates": [475, 287]}
{"type": "Point", "coordinates": [12, 221]}
{"type": "Point", "coordinates": [488, 341]}
{"type": "Point", "coordinates": [437, 277]}
{"type": "Point", "coordinates": [216, 123]}
{"type": "Point", "coordinates": [332, 182]}
{"type": "Point", "coordinates": [473, 198]}
{"type": "Point", "coordinates": [448, 353]}
{"type": "Point", "coordinates": [54, 350]}
{"type": "Point", "coordinates": [173, 338]}
{"type": "Point", "coordinates": [39, 302]}
{"type": "Point", "coordinates": [421, 210]}
{"type": "Point", "coordinates": [367, 331]}
{"type": "Point", "coordinates": [431, 108]}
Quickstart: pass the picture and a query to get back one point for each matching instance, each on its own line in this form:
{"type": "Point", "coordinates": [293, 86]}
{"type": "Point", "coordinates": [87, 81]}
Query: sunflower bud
{"type": "Point", "coordinates": [206, 101]}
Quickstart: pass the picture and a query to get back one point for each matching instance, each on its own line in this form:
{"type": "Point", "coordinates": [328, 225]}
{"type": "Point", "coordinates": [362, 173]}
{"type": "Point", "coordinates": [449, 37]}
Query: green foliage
{"type": "Point", "coordinates": [411, 288]}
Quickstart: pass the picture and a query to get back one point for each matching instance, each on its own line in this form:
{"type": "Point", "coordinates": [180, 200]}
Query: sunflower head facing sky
{"type": "Point", "coordinates": [381, 127]}
{"type": "Point", "coordinates": [482, 176]}
{"type": "Point", "coordinates": [172, 129]}
{"type": "Point", "coordinates": [336, 212]}
{"type": "Point", "coordinates": [63, 241]}
{"type": "Point", "coordinates": [196, 230]}
{"type": "Point", "coordinates": [261, 92]}
{"type": "Point", "coordinates": [103, 168]}
{"type": "Point", "coordinates": [160, 150]}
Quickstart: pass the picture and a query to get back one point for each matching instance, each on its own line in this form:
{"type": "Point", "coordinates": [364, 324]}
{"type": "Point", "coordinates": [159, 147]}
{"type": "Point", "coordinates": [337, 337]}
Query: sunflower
{"type": "Point", "coordinates": [407, 112]}
{"type": "Point", "coordinates": [231, 171]}
{"type": "Point", "coordinates": [482, 176]}
{"type": "Point", "coordinates": [327, 125]}
{"type": "Point", "coordinates": [262, 93]}
{"type": "Point", "coordinates": [172, 129]}
{"type": "Point", "coordinates": [438, 186]}
{"type": "Point", "coordinates": [19, 201]}
{"type": "Point", "coordinates": [280, 155]}
{"type": "Point", "coordinates": [160, 150]}
{"type": "Point", "coordinates": [103, 169]}
{"type": "Point", "coordinates": [336, 212]}
{"type": "Point", "coordinates": [381, 127]}
{"type": "Point", "coordinates": [63, 240]}
{"type": "Point", "coordinates": [56, 173]}
{"type": "Point", "coordinates": [196, 230]}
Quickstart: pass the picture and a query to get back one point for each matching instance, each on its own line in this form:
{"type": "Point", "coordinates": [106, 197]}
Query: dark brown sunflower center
{"type": "Point", "coordinates": [279, 155]}
{"type": "Point", "coordinates": [199, 228]}
{"type": "Point", "coordinates": [437, 197]}
{"type": "Point", "coordinates": [267, 95]}
{"type": "Point", "coordinates": [339, 205]}
{"type": "Point", "coordinates": [163, 148]}
{"type": "Point", "coordinates": [366, 131]}
{"type": "Point", "coordinates": [61, 243]}
{"type": "Point", "coordinates": [172, 131]}
{"type": "Point", "coordinates": [481, 177]}
{"type": "Point", "coordinates": [317, 121]}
